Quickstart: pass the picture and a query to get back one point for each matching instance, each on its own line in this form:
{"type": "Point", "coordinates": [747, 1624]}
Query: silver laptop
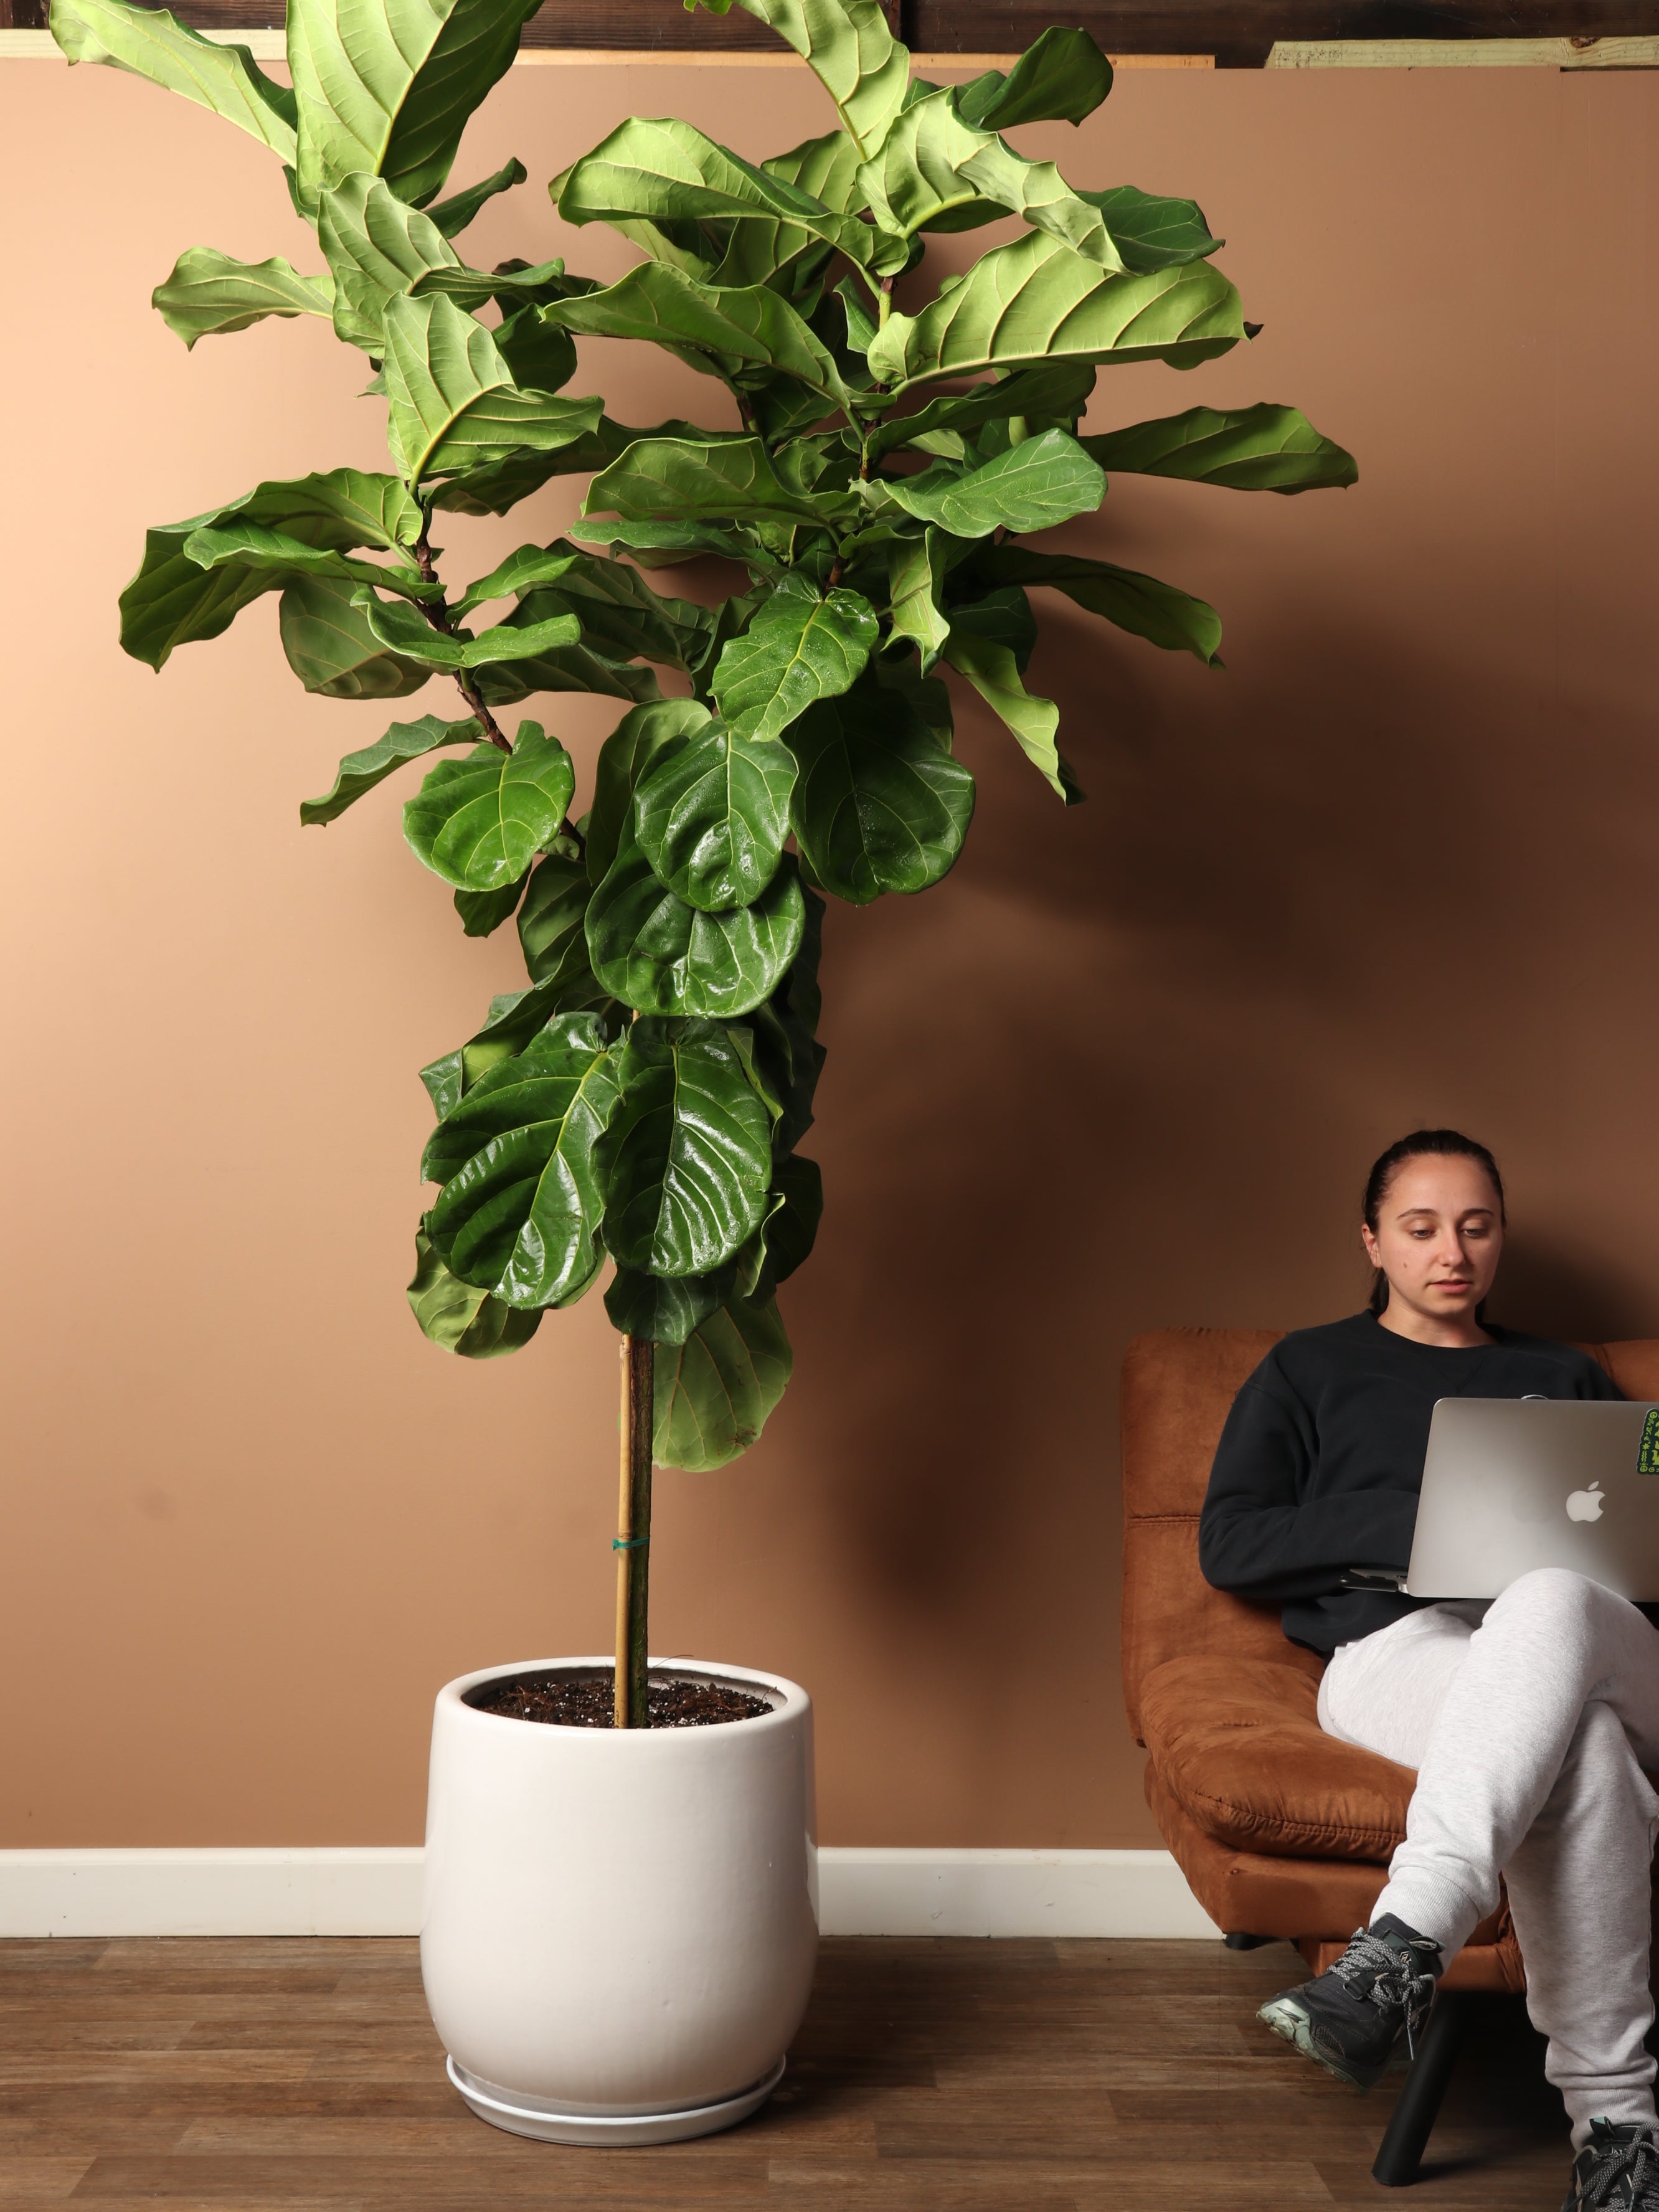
{"type": "Point", "coordinates": [1511, 1484]}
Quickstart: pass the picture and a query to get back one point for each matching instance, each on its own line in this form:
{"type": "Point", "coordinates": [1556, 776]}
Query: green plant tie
{"type": "Point", "coordinates": [628, 1543]}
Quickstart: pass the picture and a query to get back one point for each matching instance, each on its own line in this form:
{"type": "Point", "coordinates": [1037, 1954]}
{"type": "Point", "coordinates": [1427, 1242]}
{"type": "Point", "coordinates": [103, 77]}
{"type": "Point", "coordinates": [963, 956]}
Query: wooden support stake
{"type": "Point", "coordinates": [633, 1545]}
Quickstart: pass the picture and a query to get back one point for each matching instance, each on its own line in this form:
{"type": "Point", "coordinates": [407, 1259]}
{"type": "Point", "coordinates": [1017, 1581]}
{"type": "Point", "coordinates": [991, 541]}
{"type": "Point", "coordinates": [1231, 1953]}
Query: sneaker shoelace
{"type": "Point", "coordinates": [1636, 2162]}
{"type": "Point", "coordinates": [1371, 1969]}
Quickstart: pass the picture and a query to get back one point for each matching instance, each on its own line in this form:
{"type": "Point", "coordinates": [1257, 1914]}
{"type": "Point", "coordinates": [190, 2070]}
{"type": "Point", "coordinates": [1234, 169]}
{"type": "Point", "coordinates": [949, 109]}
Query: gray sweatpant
{"type": "Point", "coordinates": [1529, 1728]}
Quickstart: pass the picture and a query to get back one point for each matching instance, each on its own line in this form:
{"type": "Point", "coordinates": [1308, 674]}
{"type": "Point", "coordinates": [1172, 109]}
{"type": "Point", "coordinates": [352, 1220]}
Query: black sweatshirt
{"type": "Point", "coordinates": [1319, 1465]}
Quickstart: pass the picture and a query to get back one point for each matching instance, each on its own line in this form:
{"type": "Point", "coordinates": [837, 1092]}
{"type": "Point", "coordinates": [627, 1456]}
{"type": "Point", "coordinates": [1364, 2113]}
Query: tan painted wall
{"type": "Point", "coordinates": [1124, 1069]}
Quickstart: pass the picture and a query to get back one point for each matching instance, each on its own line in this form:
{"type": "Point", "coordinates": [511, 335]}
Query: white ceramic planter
{"type": "Point", "coordinates": [620, 1925]}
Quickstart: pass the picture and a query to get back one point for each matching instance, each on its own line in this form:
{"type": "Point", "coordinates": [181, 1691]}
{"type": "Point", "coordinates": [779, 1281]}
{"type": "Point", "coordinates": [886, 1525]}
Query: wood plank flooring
{"type": "Point", "coordinates": [303, 2075]}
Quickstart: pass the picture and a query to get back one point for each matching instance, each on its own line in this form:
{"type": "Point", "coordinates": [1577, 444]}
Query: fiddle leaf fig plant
{"type": "Point", "coordinates": [883, 476]}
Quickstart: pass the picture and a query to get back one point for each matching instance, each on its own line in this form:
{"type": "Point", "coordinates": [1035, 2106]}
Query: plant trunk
{"type": "Point", "coordinates": [633, 1543]}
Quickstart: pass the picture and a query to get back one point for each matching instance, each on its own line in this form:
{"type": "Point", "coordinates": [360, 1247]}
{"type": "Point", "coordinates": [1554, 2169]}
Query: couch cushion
{"type": "Point", "coordinates": [1237, 1744]}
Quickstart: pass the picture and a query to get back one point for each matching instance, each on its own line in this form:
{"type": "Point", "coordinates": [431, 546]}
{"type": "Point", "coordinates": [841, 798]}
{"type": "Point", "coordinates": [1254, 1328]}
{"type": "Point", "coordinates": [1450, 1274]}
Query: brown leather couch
{"type": "Point", "coordinates": [1281, 1830]}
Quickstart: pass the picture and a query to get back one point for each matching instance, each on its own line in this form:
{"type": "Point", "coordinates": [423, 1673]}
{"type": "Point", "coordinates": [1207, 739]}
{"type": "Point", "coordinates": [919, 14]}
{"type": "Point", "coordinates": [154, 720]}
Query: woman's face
{"type": "Point", "coordinates": [1438, 1237]}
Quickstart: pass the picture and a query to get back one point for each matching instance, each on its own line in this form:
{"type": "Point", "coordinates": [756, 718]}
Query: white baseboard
{"type": "Point", "coordinates": [328, 1892]}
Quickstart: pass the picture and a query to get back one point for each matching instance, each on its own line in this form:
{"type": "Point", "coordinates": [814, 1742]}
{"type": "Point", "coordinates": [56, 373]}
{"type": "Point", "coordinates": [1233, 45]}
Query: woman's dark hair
{"type": "Point", "coordinates": [1443, 1144]}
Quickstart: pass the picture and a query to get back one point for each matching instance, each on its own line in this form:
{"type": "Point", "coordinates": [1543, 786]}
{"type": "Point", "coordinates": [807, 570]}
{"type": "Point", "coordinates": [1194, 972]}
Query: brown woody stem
{"type": "Point", "coordinates": [437, 613]}
{"type": "Point", "coordinates": [633, 1544]}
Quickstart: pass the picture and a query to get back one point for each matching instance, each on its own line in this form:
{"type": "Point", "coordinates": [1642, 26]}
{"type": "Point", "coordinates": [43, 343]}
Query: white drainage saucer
{"type": "Point", "coordinates": [544, 2123]}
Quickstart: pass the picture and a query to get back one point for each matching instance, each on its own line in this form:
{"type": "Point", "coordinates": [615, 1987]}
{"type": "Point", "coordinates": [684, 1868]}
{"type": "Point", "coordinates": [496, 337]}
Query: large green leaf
{"type": "Point", "coordinates": [785, 1055]}
{"type": "Point", "coordinates": [618, 611]}
{"type": "Point", "coordinates": [847, 46]}
{"type": "Point", "coordinates": [721, 479]}
{"type": "Point", "coordinates": [915, 577]}
{"type": "Point", "coordinates": [933, 164]}
{"type": "Point", "coordinates": [1035, 299]}
{"type": "Point", "coordinates": [152, 43]}
{"type": "Point", "coordinates": [513, 284]}
{"type": "Point", "coordinates": [978, 650]}
{"type": "Point", "coordinates": [688, 1154]}
{"type": "Point", "coordinates": [879, 804]}
{"type": "Point", "coordinates": [361, 771]}
{"type": "Point", "coordinates": [1157, 611]}
{"type": "Point", "coordinates": [715, 1390]}
{"type": "Point", "coordinates": [1153, 232]}
{"type": "Point", "coordinates": [666, 171]}
{"type": "Point", "coordinates": [793, 1231]}
{"type": "Point", "coordinates": [375, 248]}
{"type": "Point", "coordinates": [408, 633]}
{"type": "Point", "coordinates": [1262, 448]}
{"type": "Point", "coordinates": [712, 816]}
{"type": "Point", "coordinates": [561, 668]}
{"type": "Point", "coordinates": [762, 251]}
{"type": "Point", "coordinates": [453, 214]}
{"type": "Point", "coordinates": [1033, 485]}
{"type": "Point", "coordinates": [514, 1018]}
{"type": "Point", "coordinates": [725, 334]}
{"type": "Point", "coordinates": [483, 913]}
{"type": "Point", "coordinates": [623, 758]}
{"type": "Point", "coordinates": [389, 88]}
{"type": "Point", "coordinates": [331, 647]}
{"type": "Point", "coordinates": [240, 543]}
{"type": "Point", "coordinates": [550, 919]}
{"type": "Point", "coordinates": [454, 403]}
{"type": "Point", "coordinates": [457, 1317]}
{"type": "Point", "coordinates": [208, 293]}
{"type": "Point", "coordinates": [173, 601]}
{"type": "Point", "coordinates": [480, 821]}
{"type": "Point", "coordinates": [800, 648]}
{"type": "Point", "coordinates": [656, 544]}
{"type": "Point", "coordinates": [654, 951]}
{"type": "Point", "coordinates": [1046, 388]}
{"type": "Point", "coordinates": [522, 1201]}
{"type": "Point", "coordinates": [665, 1308]}
{"type": "Point", "coordinates": [1062, 76]}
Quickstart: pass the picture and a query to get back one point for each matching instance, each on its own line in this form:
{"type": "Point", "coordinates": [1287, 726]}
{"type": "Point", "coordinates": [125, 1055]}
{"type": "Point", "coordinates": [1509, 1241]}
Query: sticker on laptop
{"type": "Point", "coordinates": [1647, 1458]}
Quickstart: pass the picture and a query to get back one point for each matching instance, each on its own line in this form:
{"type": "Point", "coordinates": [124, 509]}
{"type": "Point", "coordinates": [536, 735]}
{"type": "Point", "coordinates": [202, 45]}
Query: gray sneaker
{"type": "Point", "coordinates": [1348, 2019]}
{"type": "Point", "coordinates": [1618, 2169]}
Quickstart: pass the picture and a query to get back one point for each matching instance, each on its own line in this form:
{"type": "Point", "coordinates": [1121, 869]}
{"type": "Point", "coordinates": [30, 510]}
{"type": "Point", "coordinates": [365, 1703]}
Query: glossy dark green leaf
{"type": "Point", "coordinates": [1041, 482]}
{"type": "Point", "coordinates": [331, 647]}
{"type": "Point", "coordinates": [665, 1308]}
{"type": "Point", "coordinates": [514, 1018]}
{"type": "Point", "coordinates": [551, 918]}
{"type": "Point", "coordinates": [540, 357]}
{"type": "Point", "coordinates": [726, 479]}
{"type": "Point", "coordinates": [561, 668]}
{"type": "Point", "coordinates": [152, 43]}
{"type": "Point", "coordinates": [1035, 299]}
{"type": "Point", "coordinates": [407, 631]}
{"type": "Point", "coordinates": [375, 248]}
{"type": "Point", "coordinates": [240, 543]}
{"type": "Point", "coordinates": [453, 214]}
{"type": "Point", "coordinates": [715, 1392]}
{"type": "Point", "coordinates": [458, 1318]}
{"type": "Point", "coordinates": [361, 771]}
{"type": "Point", "coordinates": [636, 742]}
{"type": "Point", "coordinates": [454, 403]}
{"type": "Point", "coordinates": [654, 950]}
{"type": "Point", "coordinates": [388, 90]}
{"type": "Point", "coordinates": [208, 293]}
{"type": "Point", "coordinates": [483, 913]}
{"type": "Point", "coordinates": [1062, 76]}
{"type": "Point", "coordinates": [1261, 449]}
{"type": "Point", "coordinates": [620, 614]}
{"type": "Point", "coordinates": [801, 645]}
{"type": "Point", "coordinates": [712, 815]}
{"type": "Point", "coordinates": [792, 1231]}
{"type": "Point", "coordinates": [480, 821]}
{"type": "Point", "coordinates": [173, 601]}
{"type": "Point", "coordinates": [522, 1199]}
{"type": "Point", "coordinates": [666, 171]}
{"type": "Point", "coordinates": [687, 1158]}
{"type": "Point", "coordinates": [786, 1058]}
{"type": "Point", "coordinates": [1141, 604]}
{"type": "Point", "coordinates": [659, 544]}
{"type": "Point", "coordinates": [879, 804]}
{"type": "Point", "coordinates": [1153, 232]}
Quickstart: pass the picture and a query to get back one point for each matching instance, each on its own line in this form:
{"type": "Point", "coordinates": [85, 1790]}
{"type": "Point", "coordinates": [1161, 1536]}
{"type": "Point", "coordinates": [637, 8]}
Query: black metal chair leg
{"type": "Point", "coordinates": [1240, 1943]}
{"type": "Point", "coordinates": [1401, 2157]}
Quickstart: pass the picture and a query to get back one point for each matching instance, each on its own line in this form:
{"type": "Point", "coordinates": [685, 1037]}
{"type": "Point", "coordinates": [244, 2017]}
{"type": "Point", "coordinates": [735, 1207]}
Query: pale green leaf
{"type": "Point", "coordinates": [329, 645]}
{"type": "Point", "coordinates": [405, 630]}
{"type": "Point", "coordinates": [994, 670]}
{"type": "Point", "coordinates": [208, 293]}
{"type": "Point", "coordinates": [457, 1317]}
{"type": "Point", "coordinates": [715, 1389]}
{"type": "Point", "coordinates": [1157, 611]}
{"type": "Point", "coordinates": [361, 771]}
{"type": "Point", "coordinates": [240, 542]}
{"type": "Point", "coordinates": [454, 403]}
{"type": "Point", "coordinates": [152, 43]}
{"type": "Point", "coordinates": [1153, 232]}
{"type": "Point", "coordinates": [722, 479]}
{"type": "Point", "coordinates": [1041, 482]}
{"type": "Point", "coordinates": [1262, 448]}
{"type": "Point", "coordinates": [453, 214]}
{"type": "Point", "coordinates": [847, 46]}
{"type": "Point", "coordinates": [915, 576]}
{"type": "Point", "coordinates": [479, 823]}
{"type": "Point", "coordinates": [1045, 388]}
{"type": "Point", "coordinates": [375, 248]}
{"type": "Point", "coordinates": [1062, 76]}
{"type": "Point", "coordinates": [1035, 299]}
{"type": "Point", "coordinates": [800, 648]}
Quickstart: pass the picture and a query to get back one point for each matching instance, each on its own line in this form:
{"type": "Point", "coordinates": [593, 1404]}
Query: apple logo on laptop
{"type": "Point", "coordinates": [1586, 1505]}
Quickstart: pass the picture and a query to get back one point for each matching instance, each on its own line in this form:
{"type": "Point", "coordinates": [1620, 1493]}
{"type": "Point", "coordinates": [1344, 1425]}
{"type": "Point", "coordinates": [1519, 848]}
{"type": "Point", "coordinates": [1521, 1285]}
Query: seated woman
{"type": "Point", "coordinates": [1530, 1719]}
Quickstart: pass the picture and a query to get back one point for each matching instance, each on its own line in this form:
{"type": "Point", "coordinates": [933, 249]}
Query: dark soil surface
{"type": "Point", "coordinates": [587, 1700]}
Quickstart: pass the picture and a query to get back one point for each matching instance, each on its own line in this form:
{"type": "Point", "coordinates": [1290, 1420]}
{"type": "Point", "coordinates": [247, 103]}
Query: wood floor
{"type": "Point", "coordinates": [301, 2075]}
